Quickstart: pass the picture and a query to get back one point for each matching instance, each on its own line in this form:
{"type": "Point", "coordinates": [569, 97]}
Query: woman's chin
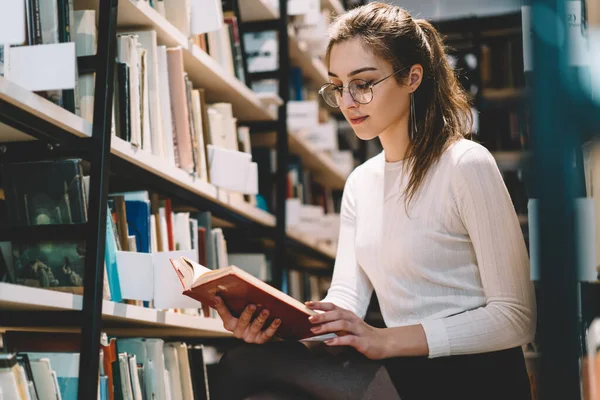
{"type": "Point", "coordinates": [365, 135]}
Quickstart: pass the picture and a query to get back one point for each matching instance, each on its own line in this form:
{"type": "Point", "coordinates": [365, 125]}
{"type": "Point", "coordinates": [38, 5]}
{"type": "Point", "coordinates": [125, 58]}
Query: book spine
{"type": "Point", "coordinates": [123, 121]}
{"type": "Point", "coordinates": [65, 10]}
{"type": "Point", "coordinates": [34, 22]}
{"type": "Point", "coordinates": [193, 133]}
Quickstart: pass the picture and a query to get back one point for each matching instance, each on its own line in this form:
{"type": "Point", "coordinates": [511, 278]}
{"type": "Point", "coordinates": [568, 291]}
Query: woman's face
{"type": "Point", "coordinates": [390, 105]}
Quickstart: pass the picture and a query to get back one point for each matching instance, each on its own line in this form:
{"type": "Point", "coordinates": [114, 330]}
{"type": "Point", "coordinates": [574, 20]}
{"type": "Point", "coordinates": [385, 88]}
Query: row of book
{"type": "Point", "coordinates": [158, 110]}
{"type": "Point", "coordinates": [156, 107]}
{"type": "Point", "coordinates": [56, 192]}
{"type": "Point", "coordinates": [37, 366]}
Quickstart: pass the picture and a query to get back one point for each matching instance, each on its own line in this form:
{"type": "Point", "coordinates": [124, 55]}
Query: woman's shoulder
{"type": "Point", "coordinates": [465, 153]}
{"type": "Point", "coordinates": [368, 169]}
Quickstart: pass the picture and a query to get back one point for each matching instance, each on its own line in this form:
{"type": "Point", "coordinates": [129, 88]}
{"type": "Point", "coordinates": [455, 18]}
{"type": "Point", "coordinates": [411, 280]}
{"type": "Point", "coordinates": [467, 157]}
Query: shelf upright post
{"type": "Point", "coordinates": [279, 258]}
{"type": "Point", "coordinates": [555, 137]}
{"type": "Point", "coordinates": [97, 207]}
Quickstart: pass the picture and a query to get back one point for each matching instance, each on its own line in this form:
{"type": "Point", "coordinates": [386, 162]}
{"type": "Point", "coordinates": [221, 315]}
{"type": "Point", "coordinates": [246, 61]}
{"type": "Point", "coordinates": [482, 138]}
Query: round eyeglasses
{"type": "Point", "coordinates": [360, 90]}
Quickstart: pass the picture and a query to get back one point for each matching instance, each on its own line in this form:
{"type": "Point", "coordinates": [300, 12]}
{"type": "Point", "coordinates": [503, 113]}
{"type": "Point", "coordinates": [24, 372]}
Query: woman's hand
{"type": "Point", "coordinates": [250, 331]}
{"type": "Point", "coordinates": [351, 330]}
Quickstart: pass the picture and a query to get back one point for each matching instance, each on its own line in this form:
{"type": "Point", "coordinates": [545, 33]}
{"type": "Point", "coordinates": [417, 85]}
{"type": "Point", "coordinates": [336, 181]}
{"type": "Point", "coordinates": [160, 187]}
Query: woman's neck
{"type": "Point", "coordinates": [395, 141]}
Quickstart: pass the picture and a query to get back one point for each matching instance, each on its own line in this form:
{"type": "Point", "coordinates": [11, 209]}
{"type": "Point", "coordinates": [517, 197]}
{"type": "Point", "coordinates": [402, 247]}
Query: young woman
{"type": "Point", "coordinates": [428, 224]}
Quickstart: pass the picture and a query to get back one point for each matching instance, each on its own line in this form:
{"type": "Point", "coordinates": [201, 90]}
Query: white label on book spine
{"type": "Point", "coordinates": [43, 67]}
{"type": "Point", "coordinates": [12, 21]}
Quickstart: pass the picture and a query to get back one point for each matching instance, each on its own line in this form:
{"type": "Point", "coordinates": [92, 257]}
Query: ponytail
{"type": "Point", "coordinates": [442, 109]}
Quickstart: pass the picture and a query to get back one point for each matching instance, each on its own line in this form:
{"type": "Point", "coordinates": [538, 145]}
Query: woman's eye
{"type": "Point", "coordinates": [364, 86]}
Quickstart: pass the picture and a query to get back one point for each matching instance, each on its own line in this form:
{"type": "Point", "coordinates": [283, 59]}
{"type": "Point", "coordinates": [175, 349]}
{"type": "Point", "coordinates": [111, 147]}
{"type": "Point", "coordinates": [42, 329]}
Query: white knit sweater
{"type": "Point", "coordinates": [456, 263]}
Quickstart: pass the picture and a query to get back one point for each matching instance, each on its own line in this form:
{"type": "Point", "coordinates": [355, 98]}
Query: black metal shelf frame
{"type": "Point", "coordinates": [53, 142]}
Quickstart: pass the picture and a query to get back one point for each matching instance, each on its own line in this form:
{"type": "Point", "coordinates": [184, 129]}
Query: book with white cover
{"type": "Point", "coordinates": [165, 104]}
{"type": "Point", "coordinates": [172, 365]}
{"type": "Point", "coordinates": [126, 388]}
{"type": "Point", "coordinates": [229, 130]}
{"type": "Point", "coordinates": [135, 379]}
{"type": "Point", "coordinates": [127, 51]}
{"type": "Point", "coordinates": [201, 167]}
{"type": "Point", "coordinates": [178, 13]}
{"type": "Point", "coordinates": [148, 40]}
{"type": "Point", "coordinates": [44, 380]}
{"type": "Point", "coordinates": [187, 390]}
{"type": "Point", "coordinates": [145, 106]}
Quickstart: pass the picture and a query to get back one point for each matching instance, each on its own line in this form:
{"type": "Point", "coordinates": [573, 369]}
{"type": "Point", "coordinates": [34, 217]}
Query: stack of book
{"type": "Point", "coordinates": [41, 367]}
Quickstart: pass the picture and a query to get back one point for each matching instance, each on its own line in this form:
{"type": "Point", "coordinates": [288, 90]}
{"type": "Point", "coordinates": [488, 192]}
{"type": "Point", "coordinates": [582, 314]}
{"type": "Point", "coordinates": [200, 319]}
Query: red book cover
{"type": "Point", "coordinates": [169, 212]}
{"type": "Point", "coordinates": [238, 289]}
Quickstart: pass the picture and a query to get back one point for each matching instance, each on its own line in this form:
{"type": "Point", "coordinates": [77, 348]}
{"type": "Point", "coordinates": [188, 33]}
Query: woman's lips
{"type": "Point", "coordinates": [358, 120]}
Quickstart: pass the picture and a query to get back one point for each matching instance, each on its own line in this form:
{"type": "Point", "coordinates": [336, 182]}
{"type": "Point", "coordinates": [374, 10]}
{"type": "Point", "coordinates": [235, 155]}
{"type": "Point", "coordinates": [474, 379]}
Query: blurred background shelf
{"type": "Point", "coordinates": [320, 163]}
{"type": "Point", "coordinates": [257, 10]}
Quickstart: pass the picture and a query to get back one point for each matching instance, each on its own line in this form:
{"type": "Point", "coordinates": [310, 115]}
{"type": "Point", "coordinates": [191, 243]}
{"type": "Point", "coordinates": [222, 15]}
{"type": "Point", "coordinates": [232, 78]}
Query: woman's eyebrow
{"type": "Point", "coordinates": [355, 72]}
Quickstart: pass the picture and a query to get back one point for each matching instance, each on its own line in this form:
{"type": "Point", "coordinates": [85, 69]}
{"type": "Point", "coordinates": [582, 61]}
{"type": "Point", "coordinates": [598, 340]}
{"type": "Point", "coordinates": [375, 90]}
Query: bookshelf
{"type": "Point", "coordinates": [313, 69]}
{"type": "Point", "coordinates": [123, 317]}
{"type": "Point", "coordinates": [26, 116]}
{"type": "Point", "coordinates": [319, 250]}
{"type": "Point", "coordinates": [203, 70]}
{"type": "Point", "coordinates": [257, 10]}
{"type": "Point", "coordinates": [130, 160]}
{"type": "Point", "coordinates": [326, 171]}
{"type": "Point", "coordinates": [32, 106]}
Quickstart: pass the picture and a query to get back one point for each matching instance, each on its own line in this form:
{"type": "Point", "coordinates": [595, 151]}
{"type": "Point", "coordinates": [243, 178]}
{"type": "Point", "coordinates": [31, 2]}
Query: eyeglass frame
{"type": "Point", "coordinates": [341, 88]}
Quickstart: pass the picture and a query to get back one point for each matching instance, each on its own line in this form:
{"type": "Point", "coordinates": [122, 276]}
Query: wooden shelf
{"type": "Point", "coordinates": [202, 69]}
{"type": "Point", "coordinates": [144, 160]}
{"type": "Point", "coordinates": [333, 5]}
{"type": "Point", "coordinates": [40, 107]}
{"type": "Point", "coordinates": [312, 68]}
{"type": "Point", "coordinates": [115, 315]}
{"type": "Point", "coordinates": [257, 10]}
{"type": "Point", "coordinates": [326, 172]}
{"type": "Point", "coordinates": [162, 168]}
{"type": "Point", "coordinates": [328, 252]}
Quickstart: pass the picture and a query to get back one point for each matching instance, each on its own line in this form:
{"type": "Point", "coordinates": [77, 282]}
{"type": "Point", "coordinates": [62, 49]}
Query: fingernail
{"type": "Point", "coordinates": [264, 313]}
{"type": "Point", "coordinates": [315, 329]}
{"type": "Point", "coordinates": [252, 307]}
{"type": "Point", "coordinates": [312, 318]}
{"type": "Point", "coordinates": [329, 341]}
{"type": "Point", "coordinates": [277, 321]}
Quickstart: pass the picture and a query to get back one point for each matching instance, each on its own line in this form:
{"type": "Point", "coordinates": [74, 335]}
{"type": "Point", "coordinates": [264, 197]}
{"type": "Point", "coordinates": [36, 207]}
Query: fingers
{"type": "Point", "coordinates": [333, 316]}
{"type": "Point", "coordinates": [318, 305]}
{"type": "Point", "coordinates": [205, 310]}
{"type": "Point", "coordinates": [229, 321]}
{"type": "Point", "coordinates": [335, 326]}
{"type": "Point", "coordinates": [256, 326]}
{"type": "Point", "coordinates": [346, 340]}
{"type": "Point", "coordinates": [244, 321]}
{"type": "Point", "coordinates": [268, 333]}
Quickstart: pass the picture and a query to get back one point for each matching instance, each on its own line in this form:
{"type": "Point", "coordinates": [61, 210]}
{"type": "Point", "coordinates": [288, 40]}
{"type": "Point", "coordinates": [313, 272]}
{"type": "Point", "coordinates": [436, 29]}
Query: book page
{"type": "Point", "coordinates": [198, 270]}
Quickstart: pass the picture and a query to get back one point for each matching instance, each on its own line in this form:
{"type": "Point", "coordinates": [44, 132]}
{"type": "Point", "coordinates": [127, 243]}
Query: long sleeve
{"type": "Point", "coordinates": [350, 286]}
{"type": "Point", "coordinates": [508, 317]}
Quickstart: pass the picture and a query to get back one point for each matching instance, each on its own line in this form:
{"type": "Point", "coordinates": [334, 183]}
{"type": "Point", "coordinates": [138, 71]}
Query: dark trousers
{"type": "Point", "coordinates": [288, 370]}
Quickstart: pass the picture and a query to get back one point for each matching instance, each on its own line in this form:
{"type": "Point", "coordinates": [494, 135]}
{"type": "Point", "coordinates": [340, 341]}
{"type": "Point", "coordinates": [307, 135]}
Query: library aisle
{"type": "Point", "coordinates": [155, 153]}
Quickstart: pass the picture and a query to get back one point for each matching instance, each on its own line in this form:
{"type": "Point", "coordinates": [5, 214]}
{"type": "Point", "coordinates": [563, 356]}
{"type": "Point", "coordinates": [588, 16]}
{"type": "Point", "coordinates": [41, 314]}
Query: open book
{"type": "Point", "coordinates": [238, 288]}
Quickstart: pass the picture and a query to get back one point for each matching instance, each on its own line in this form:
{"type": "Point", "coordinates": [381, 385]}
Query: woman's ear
{"type": "Point", "coordinates": [415, 77]}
